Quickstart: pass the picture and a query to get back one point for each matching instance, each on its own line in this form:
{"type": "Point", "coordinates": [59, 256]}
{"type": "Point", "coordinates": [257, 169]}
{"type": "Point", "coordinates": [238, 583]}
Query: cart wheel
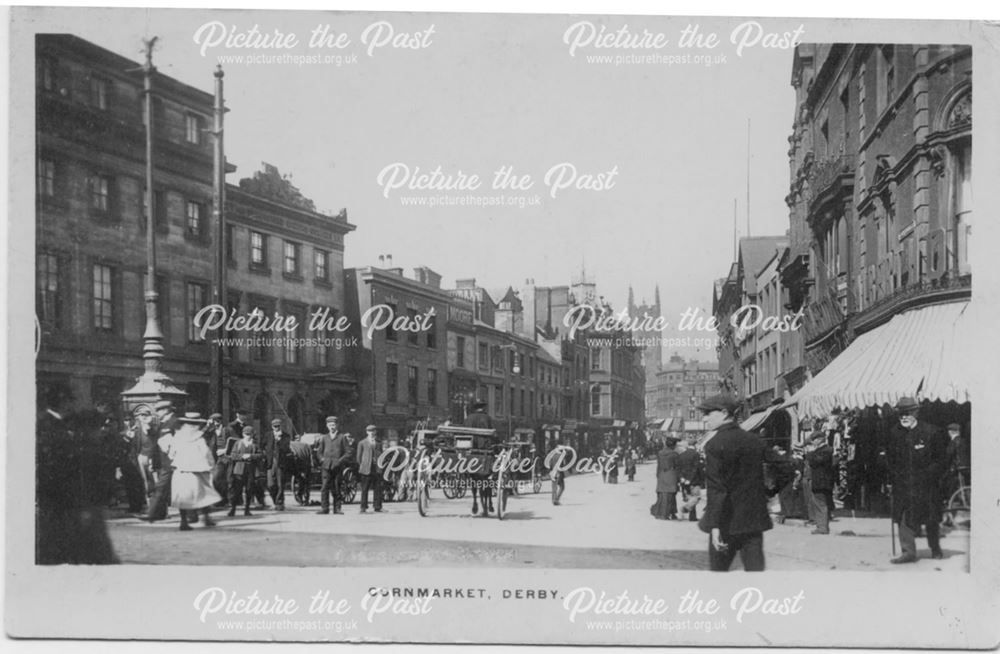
{"type": "Point", "coordinates": [461, 491]}
{"type": "Point", "coordinates": [960, 508]}
{"type": "Point", "coordinates": [348, 485]}
{"type": "Point", "coordinates": [450, 487]}
{"type": "Point", "coordinates": [423, 494]}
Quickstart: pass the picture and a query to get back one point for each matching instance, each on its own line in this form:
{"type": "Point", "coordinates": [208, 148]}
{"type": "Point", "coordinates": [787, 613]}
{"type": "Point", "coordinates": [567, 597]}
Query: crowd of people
{"type": "Point", "coordinates": [744, 481]}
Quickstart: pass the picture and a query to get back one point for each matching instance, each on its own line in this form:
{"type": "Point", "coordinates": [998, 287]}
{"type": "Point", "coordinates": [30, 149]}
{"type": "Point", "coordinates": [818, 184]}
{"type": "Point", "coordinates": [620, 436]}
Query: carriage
{"type": "Point", "coordinates": [455, 458]}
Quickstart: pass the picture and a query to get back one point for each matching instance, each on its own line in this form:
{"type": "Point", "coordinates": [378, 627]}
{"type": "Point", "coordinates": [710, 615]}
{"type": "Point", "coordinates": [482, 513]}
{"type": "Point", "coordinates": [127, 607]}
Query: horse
{"type": "Point", "coordinates": [484, 481]}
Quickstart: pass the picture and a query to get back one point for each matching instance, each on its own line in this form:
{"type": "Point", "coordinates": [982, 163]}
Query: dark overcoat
{"type": "Point", "coordinates": [666, 471]}
{"type": "Point", "coordinates": [820, 463]}
{"type": "Point", "coordinates": [917, 459]}
{"type": "Point", "coordinates": [734, 482]}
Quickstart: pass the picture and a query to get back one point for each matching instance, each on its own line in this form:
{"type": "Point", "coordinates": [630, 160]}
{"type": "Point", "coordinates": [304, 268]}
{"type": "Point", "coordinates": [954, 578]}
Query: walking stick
{"type": "Point", "coordinates": [892, 524]}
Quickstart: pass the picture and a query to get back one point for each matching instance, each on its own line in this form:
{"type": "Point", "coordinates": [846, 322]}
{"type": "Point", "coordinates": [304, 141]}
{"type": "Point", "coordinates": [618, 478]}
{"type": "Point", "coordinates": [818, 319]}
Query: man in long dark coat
{"type": "Point", "coordinates": [666, 481]}
{"type": "Point", "coordinates": [819, 458]}
{"type": "Point", "coordinates": [917, 457]}
{"type": "Point", "coordinates": [735, 515]}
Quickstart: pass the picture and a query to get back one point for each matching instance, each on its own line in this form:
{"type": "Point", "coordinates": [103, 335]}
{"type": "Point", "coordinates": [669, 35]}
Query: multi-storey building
{"type": "Point", "coordinates": [880, 199]}
{"type": "Point", "coordinates": [92, 255]}
{"type": "Point", "coordinates": [401, 360]}
{"type": "Point", "coordinates": [284, 257]}
{"type": "Point", "coordinates": [734, 301]}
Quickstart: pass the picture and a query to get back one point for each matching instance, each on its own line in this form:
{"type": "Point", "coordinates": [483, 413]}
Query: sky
{"type": "Point", "coordinates": [659, 150]}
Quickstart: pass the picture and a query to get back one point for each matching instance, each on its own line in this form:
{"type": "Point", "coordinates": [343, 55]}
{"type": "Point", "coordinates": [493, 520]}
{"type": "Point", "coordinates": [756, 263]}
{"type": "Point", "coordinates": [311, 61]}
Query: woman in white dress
{"type": "Point", "coordinates": [192, 488]}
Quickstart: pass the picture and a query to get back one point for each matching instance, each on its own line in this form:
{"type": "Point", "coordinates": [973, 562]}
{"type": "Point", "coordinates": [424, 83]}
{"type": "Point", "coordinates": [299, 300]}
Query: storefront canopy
{"type": "Point", "coordinates": [927, 353]}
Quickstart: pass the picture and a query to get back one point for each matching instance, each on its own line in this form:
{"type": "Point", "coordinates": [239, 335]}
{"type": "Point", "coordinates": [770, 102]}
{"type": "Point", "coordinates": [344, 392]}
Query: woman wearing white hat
{"type": "Point", "coordinates": [192, 488]}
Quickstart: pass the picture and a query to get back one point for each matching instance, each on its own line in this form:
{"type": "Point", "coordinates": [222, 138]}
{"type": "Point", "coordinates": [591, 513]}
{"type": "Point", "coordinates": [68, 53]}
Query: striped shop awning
{"type": "Point", "coordinates": [926, 352]}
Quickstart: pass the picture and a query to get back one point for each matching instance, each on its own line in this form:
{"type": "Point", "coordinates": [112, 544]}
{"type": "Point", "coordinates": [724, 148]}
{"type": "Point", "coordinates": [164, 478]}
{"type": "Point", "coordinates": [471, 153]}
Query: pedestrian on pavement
{"type": "Point", "coordinates": [667, 478]}
{"type": "Point", "coordinates": [279, 463]}
{"type": "Point", "coordinates": [244, 459]}
{"type": "Point", "coordinates": [630, 463]}
{"type": "Point", "coordinates": [735, 515]}
{"type": "Point", "coordinates": [555, 459]}
{"type": "Point", "coordinates": [235, 429]}
{"type": "Point", "coordinates": [167, 423]}
{"type": "Point", "coordinates": [149, 453]}
{"type": "Point", "coordinates": [69, 526]}
{"type": "Point", "coordinates": [819, 458]}
{"type": "Point", "coordinates": [959, 453]}
{"type": "Point", "coordinates": [691, 472]}
{"type": "Point", "coordinates": [369, 450]}
{"type": "Point", "coordinates": [917, 457]}
{"type": "Point", "coordinates": [128, 466]}
{"type": "Point", "coordinates": [191, 486]}
{"type": "Point", "coordinates": [217, 437]}
{"type": "Point", "coordinates": [334, 453]}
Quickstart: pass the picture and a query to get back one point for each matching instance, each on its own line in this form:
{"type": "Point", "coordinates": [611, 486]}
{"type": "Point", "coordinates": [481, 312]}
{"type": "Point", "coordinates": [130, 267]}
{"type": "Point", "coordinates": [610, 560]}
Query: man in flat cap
{"type": "Point", "coordinates": [735, 514]}
{"type": "Point", "coordinates": [917, 458]}
{"type": "Point", "coordinates": [334, 453]}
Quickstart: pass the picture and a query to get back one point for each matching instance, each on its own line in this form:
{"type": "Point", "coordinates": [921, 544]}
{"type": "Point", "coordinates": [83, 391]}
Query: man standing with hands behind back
{"type": "Point", "coordinates": [371, 478]}
{"type": "Point", "coordinates": [735, 515]}
{"type": "Point", "coordinates": [334, 453]}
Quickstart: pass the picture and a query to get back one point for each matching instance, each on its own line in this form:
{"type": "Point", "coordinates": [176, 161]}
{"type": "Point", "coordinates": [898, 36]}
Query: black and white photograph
{"type": "Point", "coordinates": [361, 325]}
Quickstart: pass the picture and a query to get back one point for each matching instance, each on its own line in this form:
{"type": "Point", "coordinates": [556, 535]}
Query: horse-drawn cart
{"type": "Point", "coordinates": [455, 458]}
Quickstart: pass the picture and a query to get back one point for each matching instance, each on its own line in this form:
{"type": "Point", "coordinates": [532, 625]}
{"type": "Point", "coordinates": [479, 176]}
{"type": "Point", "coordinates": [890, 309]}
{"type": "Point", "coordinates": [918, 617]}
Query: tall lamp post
{"type": "Point", "coordinates": [515, 369]}
{"type": "Point", "coordinates": [153, 385]}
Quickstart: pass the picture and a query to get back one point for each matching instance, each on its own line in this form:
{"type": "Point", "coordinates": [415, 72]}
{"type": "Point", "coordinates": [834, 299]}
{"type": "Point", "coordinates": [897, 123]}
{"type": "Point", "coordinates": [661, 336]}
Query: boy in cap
{"type": "Point", "coordinates": [735, 515]}
{"type": "Point", "coordinates": [917, 458]}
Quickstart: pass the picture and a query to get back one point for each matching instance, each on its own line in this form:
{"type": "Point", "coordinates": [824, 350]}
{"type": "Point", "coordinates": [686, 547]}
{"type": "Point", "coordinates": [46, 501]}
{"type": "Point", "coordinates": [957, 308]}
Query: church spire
{"type": "Point", "coordinates": [656, 301]}
{"type": "Point", "coordinates": [631, 300]}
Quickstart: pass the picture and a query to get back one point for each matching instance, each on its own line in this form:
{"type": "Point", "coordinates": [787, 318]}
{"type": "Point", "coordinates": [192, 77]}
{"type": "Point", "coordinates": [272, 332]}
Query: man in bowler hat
{"type": "Point", "coordinates": [735, 515]}
{"type": "Point", "coordinates": [917, 457]}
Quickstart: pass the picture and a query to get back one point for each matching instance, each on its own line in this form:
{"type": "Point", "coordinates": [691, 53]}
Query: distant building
{"type": "Point", "coordinates": [681, 386]}
{"type": "Point", "coordinates": [743, 359]}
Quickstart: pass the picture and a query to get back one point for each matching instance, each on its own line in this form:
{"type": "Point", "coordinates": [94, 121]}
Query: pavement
{"type": "Point", "coordinates": [597, 526]}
